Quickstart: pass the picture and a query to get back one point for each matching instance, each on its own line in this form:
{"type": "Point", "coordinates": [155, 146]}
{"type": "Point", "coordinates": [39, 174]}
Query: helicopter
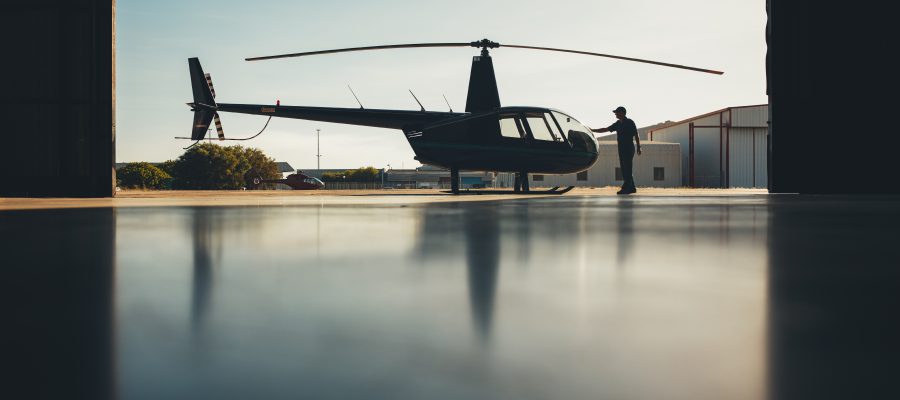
{"type": "Point", "coordinates": [297, 181]}
{"type": "Point", "coordinates": [486, 137]}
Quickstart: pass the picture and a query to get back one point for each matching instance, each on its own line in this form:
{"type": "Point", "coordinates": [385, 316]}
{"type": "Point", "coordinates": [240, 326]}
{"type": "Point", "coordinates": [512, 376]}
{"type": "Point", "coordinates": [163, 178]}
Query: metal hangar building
{"type": "Point", "coordinates": [726, 148]}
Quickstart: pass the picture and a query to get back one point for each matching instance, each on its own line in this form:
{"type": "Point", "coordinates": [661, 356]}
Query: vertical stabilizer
{"type": "Point", "coordinates": [483, 93]}
{"type": "Point", "coordinates": [204, 105]}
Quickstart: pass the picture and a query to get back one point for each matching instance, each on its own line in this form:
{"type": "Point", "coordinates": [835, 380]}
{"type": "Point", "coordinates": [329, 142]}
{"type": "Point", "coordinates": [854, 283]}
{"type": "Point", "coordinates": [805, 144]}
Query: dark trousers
{"type": "Point", "coordinates": [626, 158]}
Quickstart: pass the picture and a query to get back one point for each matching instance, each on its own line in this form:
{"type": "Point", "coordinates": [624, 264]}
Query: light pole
{"type": "Point", "coordinates": [318, 154]}
{"type": "Point", "coordinates": [383, 170]}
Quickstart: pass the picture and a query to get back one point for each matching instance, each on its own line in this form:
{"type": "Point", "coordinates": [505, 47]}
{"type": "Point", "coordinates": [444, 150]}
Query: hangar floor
{"type": "Point", "coordinates": [665, 295]}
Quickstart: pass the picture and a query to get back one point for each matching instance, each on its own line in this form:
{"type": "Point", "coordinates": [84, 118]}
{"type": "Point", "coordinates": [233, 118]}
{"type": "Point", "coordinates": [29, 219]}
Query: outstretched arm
{"type": "Point", "coordinates": [600, 130]}
{"type": "Point", "coordinates": [637, 138]}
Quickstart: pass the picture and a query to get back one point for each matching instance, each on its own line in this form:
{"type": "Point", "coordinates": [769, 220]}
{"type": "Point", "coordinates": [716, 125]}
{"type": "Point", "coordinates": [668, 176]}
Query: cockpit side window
{"type": "Point", "coordinates": [511, 126]}
{"type": "Point", "coordinates": [540, 129]}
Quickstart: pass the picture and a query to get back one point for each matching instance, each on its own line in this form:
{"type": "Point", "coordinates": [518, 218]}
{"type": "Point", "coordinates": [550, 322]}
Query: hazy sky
{"type": "Point", "coordinates": [155, 39]}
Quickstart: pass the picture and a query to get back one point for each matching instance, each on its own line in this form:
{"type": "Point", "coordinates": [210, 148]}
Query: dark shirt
{"type": "Point", "coordinates": [625, 130]}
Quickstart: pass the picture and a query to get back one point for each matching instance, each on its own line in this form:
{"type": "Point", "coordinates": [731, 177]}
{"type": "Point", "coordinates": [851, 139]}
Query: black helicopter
{"type": "Point", "coordinates": [486, 137]}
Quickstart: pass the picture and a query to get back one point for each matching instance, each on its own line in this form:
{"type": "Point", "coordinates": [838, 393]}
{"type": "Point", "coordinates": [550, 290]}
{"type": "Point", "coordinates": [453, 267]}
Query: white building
{"type": "Point", "coordinates": [658, 166]}
{"type": "Point", "coordinates": [725, 148]}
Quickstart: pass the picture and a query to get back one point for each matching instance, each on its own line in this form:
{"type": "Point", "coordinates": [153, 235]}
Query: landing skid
{"type": "Point", "coordinates": [555, 190]}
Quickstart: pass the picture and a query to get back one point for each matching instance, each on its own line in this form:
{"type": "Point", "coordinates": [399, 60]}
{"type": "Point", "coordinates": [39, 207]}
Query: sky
{"type": "Point", "coordinates": [155, 39]}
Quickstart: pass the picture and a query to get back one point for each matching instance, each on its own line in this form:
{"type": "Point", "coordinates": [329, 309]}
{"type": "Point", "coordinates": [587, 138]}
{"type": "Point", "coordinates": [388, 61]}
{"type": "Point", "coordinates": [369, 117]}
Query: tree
{"type": "Point", "coordinates": [142, 175]}
{"type": "Point", "coordinates": [261, 166]}
{"type": "Point", "coordinates": [363, 174]}
{"type": "Point", "coordinates": [168, 167]}
{"type": "Point", "coordinates": [210, 166]}
{"type": "Point", "coordinates": [207, 166]}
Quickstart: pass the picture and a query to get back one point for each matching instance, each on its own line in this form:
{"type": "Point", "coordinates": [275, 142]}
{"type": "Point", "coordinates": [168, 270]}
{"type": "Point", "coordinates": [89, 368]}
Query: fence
{"type": "Point", "coordinates": [390, 185]}
{"type": "Point", "coordinates": [352, 185]}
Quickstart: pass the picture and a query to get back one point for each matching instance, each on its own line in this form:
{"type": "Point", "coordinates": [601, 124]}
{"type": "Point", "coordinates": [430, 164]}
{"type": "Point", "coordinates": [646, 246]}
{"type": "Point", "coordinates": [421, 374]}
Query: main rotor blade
{"type": "Point", "coordinates": [709, 71]}
{"type": "Point", "coordinates": [390, 46]}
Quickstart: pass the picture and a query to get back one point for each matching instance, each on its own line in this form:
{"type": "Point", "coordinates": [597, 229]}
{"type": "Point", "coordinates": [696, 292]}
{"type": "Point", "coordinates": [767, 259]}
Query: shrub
{"type": "Point", "coordinates": [142, 175]}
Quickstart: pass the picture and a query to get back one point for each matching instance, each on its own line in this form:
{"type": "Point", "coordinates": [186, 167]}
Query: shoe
{"type": "Point", "coordinates": [627, 191]}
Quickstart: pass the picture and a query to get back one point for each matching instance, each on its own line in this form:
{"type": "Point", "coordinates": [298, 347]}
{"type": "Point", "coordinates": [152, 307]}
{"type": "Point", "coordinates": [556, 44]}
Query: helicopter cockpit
{"type": "Point", "coordinates": [569, 124]}
{"type": "Point", "coordinates": [531, 125]}
{"type": "Point", "coordinates": [543, 126]}
{"type": "Point", "coordinates": [314, 181]}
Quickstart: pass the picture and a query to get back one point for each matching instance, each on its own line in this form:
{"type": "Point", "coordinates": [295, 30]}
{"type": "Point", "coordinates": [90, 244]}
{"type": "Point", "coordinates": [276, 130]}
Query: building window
{"type": "Point", "coordinates": [619, 174]}
{"type": "Point", "coordinates": [537, 178]}
{"type": "Point", "coordinates": [659, 174]}
{"type": "Point", "coordinates": [582, 176]}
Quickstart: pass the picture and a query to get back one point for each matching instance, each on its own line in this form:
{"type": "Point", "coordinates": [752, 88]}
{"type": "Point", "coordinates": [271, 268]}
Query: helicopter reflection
{"type": "Point", "coordinates": [448, 230]}
{"type": "Point", "coordinates": [207, 248]}
{"type": "Point", "coordinates": [484, 232]}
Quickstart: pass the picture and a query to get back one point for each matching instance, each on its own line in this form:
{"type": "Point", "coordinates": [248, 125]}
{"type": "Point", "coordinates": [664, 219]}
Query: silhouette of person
{"type": "Point", "coordinates": [626, 135]}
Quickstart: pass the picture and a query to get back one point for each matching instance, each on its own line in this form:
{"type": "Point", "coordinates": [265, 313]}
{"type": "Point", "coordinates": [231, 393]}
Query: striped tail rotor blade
{"type": "Point", "coordinates": [219, 127]}
{"type": "Point", "coordinates": [209, 82]}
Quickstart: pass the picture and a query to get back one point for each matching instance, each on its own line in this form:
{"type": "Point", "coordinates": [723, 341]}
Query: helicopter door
{"type": "Point", "coordinates": [542, 129]}
{"type": "Point", "coordinates": [511, 126]}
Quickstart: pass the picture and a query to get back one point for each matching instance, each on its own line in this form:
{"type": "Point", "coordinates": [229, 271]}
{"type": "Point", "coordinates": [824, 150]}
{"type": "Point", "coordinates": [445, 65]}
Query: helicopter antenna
{"type": "Point", "coordinates": [357, 98]}
{"type": "Point", "coordinates": [448, 103]}
{"type": "Point", "coordinates": [417, 99]}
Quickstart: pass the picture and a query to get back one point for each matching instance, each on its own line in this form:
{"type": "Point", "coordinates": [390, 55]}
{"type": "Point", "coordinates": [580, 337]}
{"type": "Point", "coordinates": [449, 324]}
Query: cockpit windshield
{"type": "Point", "coordinates": [568, 123]}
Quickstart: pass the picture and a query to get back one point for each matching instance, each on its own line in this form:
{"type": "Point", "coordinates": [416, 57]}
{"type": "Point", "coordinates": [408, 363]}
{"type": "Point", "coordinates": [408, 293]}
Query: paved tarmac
{"type": "Point", "coordinates": [665, 295]}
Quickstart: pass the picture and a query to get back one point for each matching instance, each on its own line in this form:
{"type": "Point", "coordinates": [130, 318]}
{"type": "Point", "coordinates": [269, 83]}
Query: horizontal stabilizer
{"type": "Point", "coordinates": [202, 119]}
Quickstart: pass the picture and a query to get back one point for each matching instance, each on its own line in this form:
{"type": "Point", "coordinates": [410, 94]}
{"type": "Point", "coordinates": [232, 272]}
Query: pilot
{"type": "Point", "coordinates": [626, 135]}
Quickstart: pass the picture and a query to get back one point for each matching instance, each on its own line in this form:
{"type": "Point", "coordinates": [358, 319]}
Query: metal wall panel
{"type": "Point", "coordinates": [754, 116]}
{"type": "Point", "coordinates": [58, 99]}
{"type": "Point", "coordinates": [808, 82]}
{"type": "Point", "coordinates": [708, 157]}
{"type": "Point", "coordinates": [762, 157]}
{"type": "Point", "coordinates": [747, 153]}
{"type": "Point", "coordinates": [741, 160]}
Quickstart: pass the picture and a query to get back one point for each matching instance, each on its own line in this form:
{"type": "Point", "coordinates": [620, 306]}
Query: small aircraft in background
{"type": "Point", "coordinates": [486, 137]}
{"type": "Point", "coordinates": [297, 181]}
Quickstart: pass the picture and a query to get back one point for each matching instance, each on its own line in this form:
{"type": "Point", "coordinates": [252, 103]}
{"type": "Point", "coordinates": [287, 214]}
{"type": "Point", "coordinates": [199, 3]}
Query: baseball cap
{"type": "Point", "coordinates": [620, 109]}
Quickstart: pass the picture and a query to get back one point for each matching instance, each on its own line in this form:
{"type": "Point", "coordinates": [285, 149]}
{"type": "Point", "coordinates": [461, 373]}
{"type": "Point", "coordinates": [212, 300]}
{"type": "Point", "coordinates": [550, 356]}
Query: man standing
{"type": "Point", "coordinates": [626, 135]}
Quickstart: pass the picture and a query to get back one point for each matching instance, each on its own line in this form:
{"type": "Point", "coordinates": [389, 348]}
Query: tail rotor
{"type": "Point", "coordinates": [205, 108]}
{"type": "Point", "coordinates": [216, 119]}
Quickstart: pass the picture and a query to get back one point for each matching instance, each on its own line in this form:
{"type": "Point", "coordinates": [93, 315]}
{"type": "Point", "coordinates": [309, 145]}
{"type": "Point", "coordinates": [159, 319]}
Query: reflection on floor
{"type": "Point", "coordinates": [570, 297]}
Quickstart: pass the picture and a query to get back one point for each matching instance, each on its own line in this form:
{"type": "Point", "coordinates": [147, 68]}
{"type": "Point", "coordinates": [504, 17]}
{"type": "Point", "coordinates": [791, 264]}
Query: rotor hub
{"type": "Point", "coordinates": [485, 44]}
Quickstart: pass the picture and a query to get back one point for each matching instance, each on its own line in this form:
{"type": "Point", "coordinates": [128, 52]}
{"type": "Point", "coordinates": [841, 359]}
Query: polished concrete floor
{"type": "Point", "coordinates": [396, 297]}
